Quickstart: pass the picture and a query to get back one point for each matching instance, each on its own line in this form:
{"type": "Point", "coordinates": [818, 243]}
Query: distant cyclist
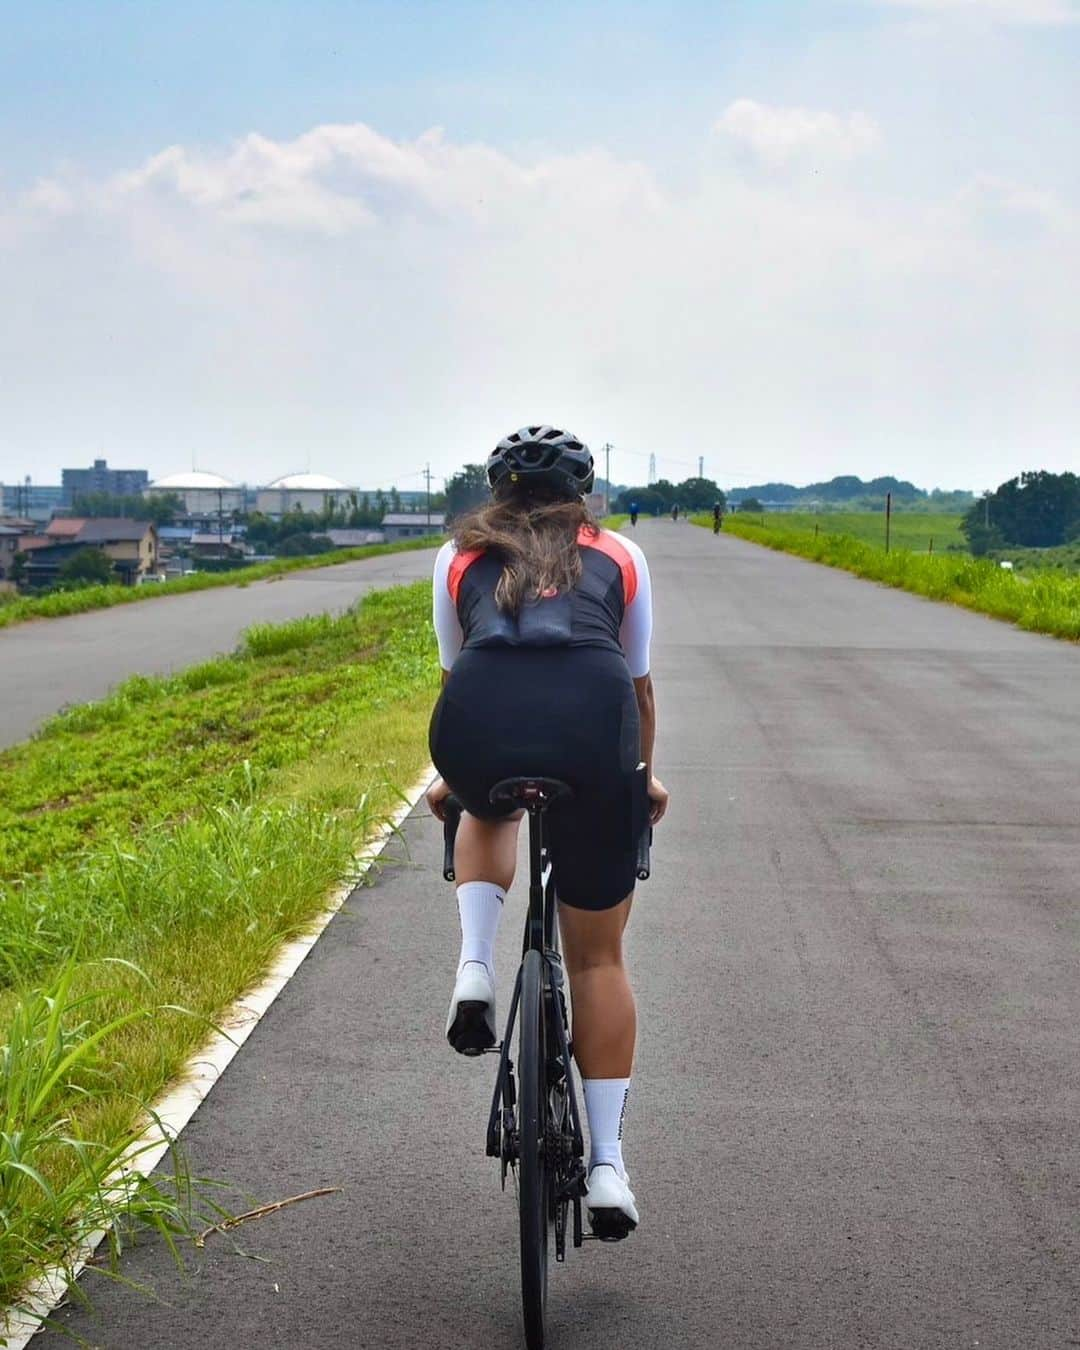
{"type": "Point", "coordinates": [717, 518]}
{"type": "Point", "coordinates": [544, 622]}
{"type": "Point", "coordinates": [675, 513]}
{"type": "Point", "coordinates": [633, 513]}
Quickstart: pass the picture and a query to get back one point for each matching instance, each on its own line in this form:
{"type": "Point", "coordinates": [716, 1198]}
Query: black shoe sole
{"type": "Point", "coordinates": [470, 1034]}
{"type": "Point", "coordinates": [610, 1225]}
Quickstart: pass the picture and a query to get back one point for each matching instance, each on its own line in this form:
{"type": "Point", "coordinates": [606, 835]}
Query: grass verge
{"type": "Point", "coordinates": [1064, 560]}
{"type": "Point", "coordinates": [104, 597]}
{"type": "Point", "coordinates": [163, 843]}
{"type": "Point", "coordinates": [1044, 603]}
{"type": "Point", "coordinates": [919, 532]}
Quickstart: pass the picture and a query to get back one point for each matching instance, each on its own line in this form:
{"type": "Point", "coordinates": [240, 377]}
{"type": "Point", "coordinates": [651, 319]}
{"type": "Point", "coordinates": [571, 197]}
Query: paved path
{"type": "Point", "coordinates": [49, 663]}
{"type": "Point", "coordinates": [854, 1121]}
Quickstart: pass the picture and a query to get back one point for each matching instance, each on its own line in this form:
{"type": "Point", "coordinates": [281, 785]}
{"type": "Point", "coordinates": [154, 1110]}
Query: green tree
{"type": "Point", "coordinates": [161, 509]}
{"type": "Point", "coordinates": [699, 494]}
{"type": "Point", "coordinates": [466, 489]}
{"type": "Point", "coordinates": [89, 565]}
{"type": "Point", "coordinates": [751, 504]}
{"type": "Point", "coordinates": [261, 529]}
{"type": "Point", "coordinates": [646, 499]}
{"type": "Point", "coordinates": [1035, 510]}
{"type": "Point", "coordinates": [303, 543]}
{"type": "Point", "coordinates": [17, 570]}
{"type": "Point", "coordinates": [982, 539]}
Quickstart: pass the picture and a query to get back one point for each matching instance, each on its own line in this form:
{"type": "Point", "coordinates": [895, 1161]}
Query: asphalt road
{"type": "Point", "coordinates": [854, 1116]}
{"type": "Point", "coordinates": [50, 663]}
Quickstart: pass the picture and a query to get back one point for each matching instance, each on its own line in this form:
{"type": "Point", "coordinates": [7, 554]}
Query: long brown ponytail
{"type": "Point", "coordinates": [536, 539]}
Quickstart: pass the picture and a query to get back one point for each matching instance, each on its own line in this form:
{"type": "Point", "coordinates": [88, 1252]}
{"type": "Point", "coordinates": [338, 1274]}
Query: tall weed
{"type": "Point", "coordinates": [59, 1188]}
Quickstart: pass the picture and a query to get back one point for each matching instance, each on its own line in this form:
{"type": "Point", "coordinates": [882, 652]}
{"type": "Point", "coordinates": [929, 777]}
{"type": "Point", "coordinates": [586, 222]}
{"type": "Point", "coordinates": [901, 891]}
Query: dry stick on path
{"type": "Point", "coordinates": [261, 1212]}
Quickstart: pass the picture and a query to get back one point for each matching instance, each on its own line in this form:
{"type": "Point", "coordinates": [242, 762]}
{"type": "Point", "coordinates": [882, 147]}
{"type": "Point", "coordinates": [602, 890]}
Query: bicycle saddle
{"type": "Point", "coordinates": [530, 792]}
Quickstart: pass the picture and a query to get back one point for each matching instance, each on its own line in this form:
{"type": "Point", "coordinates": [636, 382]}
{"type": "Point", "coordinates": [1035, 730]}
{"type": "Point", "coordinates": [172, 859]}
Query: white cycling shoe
{"type": "Point", "coordinates": [470, 1027]}
{"type": "Point", "coordinates": [610, 1202]}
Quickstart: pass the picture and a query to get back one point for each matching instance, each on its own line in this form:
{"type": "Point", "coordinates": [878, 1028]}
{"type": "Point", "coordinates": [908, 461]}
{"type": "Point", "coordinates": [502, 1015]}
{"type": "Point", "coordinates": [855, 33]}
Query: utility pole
{"type": "Point", "coordinates": [607, 478]}
{"type": "Point", "coordinates": [427, 479]}
{"type": "Point", "coordinates": [701, 466]}
{"type": "Point", "coordinates": [652, 468]}
{"type": "Point", "coordinates": [888, 519]}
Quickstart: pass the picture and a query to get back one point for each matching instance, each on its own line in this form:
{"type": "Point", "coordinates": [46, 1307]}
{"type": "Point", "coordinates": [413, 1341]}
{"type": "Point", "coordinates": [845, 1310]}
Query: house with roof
{"type": "Point", "coordinates": [412, 524]}
{"type": "Point", "coordinates": [9, 546]}
{"type": "Point", "coordinates": [355, 538]}
{"type": "Point", "coordinates": [211, 546]}
{"type": "Point", "coordinates": [131, 546]}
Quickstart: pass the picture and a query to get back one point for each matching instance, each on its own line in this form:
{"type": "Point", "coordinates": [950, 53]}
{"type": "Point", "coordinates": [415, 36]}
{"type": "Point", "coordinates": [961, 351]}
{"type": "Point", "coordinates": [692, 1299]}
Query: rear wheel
{"type": "Point", "coordinates": [533, 1182]}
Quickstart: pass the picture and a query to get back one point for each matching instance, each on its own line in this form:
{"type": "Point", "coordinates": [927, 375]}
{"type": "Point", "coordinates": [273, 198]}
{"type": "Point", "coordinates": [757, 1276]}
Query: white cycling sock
{"type": "Point", "coordinates": [605, 1106]}
{"type": "Point", "coordinates": [480, 908]}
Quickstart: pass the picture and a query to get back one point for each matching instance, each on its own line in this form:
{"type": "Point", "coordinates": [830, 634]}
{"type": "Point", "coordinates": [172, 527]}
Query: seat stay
{"type": "Point", "coordinates": [563, 1043]}
{"type": "Point", "coordinates": [504, 1094]}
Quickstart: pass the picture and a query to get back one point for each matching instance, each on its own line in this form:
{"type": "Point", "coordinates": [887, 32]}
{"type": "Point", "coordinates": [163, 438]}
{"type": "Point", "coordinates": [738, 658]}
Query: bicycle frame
{"type": "Point", "coordinates": [565, 1145]}
{"type": "Point", "coordinates": [540, 935]}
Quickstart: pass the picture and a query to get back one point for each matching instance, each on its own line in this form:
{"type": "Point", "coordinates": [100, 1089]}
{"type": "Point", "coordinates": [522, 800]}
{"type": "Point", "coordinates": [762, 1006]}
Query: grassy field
{"type": "Point", "coordinates": [157, 848]}
{"type": "Point", "coordinates": [919, 533]}
{"type": "Point", "coordinates": [18, 609]}
{"type": "Point", "coordinates": [1043, 602]}
{"type": "Point", "coordinates": [1064, 560]}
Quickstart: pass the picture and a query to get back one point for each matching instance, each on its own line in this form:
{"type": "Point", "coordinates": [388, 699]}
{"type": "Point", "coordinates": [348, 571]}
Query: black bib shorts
{"type": "Point", "coordinates": [553, 712]}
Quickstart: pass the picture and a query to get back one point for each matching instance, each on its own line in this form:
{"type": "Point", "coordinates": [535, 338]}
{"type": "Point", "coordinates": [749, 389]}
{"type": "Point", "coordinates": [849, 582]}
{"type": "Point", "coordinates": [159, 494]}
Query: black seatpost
{"type": "Point", "coordinates": [534, 929]}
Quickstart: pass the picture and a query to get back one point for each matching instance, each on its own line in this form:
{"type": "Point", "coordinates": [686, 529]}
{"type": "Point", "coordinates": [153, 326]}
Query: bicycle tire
{"type": "Point", "coordinates": [533, 1184]}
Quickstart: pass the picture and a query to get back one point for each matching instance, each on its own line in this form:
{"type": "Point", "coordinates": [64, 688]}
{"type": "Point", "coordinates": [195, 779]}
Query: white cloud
{"type": "Point", "coordinates": [1039, 12]}
{"type": "Point", "coordinates": [1005, 210]}
{"type": "Point", "coordinates": [338, 178]}
{"type": "Point", "coordinates": [370, 304]}
{"type": "Point", "coordinates": [778, 136]}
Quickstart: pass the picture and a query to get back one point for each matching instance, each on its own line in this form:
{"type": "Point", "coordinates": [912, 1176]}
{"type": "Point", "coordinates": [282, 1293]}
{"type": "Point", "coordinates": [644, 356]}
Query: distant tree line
{"type": "Point", "coordinates": [857, 493]}
{"type": "Point", "coordinates": [692, 494]}
{"type": "Point", "coordinates": [298, 531]}
{"type": "Point", "coordinates": [1034, 510]}
{"type": "Point", "coordinates": [161, 509]}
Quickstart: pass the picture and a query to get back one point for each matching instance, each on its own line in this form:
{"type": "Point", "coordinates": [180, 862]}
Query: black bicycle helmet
{"type": "Point", "coordinates": [544, 456]}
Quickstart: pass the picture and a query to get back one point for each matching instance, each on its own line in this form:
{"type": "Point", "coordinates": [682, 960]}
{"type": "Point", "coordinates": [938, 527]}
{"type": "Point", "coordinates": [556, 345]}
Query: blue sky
{"type": "Point", "coordinates": [798, 239]}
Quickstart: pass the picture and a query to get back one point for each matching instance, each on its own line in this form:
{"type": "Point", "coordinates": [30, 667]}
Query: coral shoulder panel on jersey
{"type": "Point", "coordinates": [617, 552]}
{"type": "Point", "coordinates": [459, 565]}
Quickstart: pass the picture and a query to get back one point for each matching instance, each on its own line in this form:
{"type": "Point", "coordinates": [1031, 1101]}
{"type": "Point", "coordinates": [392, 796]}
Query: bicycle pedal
{"type": "Point", "coordinates": [610, 1225]}
{"type": "Point", "coordinates": [495, 1049]}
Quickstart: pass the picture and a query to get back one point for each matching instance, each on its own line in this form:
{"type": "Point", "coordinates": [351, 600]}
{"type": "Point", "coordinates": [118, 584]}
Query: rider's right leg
{"type": "Point", "coordinates": [485, 854]}
{"type": "Point", "coordinates": [486, 850]}
{"type": "Point", "coordinates": [605, 1018]}
{"type": "Point", "coordinates": [605, 1029]}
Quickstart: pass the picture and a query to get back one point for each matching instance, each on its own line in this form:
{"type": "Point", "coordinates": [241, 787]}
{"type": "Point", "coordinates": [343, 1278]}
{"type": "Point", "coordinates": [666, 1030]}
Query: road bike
{"type": "Point", "coordinates": [534, 1126]}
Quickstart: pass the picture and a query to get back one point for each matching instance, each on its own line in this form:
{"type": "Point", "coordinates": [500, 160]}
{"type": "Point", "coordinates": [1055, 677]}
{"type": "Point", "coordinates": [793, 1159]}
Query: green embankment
{"type": "Point", "coordinates": [918, 532]}
{"type": "Point", "coordinates": [1063, 560]}
{"type": "Point", "coordinates": [1042, 603]}
{"type": "Point", "coordinates": [18, 609]}
{"type": "Point", "coordinates": [188, 826]}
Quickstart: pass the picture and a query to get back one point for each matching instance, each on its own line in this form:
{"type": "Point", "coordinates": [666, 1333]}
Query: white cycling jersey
{"type": "Point", "coordinates": [635, 632]}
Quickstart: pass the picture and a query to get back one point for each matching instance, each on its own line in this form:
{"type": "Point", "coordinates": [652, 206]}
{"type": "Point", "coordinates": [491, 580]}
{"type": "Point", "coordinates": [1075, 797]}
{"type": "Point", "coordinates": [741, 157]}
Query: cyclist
{"type": "Point", "coordinates": [544, 622]}
{"type": "Point", "coordinates": [717, 518]}
{"type": "Point", "coordinates": [633, 514]}
{"type": "Point", "coordinates": [675, 513]}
